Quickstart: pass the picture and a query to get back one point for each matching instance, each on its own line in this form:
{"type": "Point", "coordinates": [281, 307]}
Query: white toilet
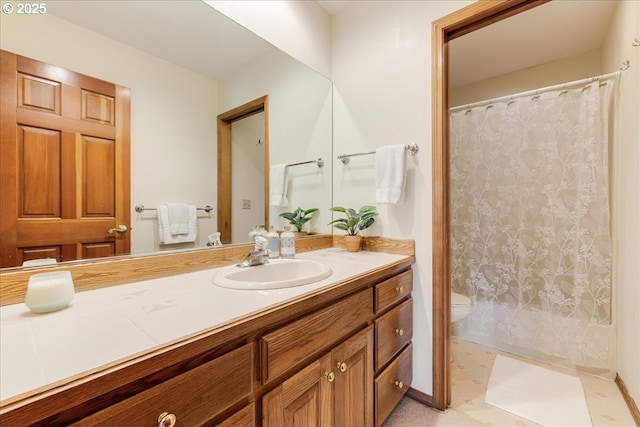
{"type": "Point", "coordinates": [460, 307]}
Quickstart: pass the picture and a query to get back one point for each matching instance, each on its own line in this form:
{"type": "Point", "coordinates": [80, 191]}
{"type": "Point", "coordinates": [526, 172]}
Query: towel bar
{"type": "Point", "coordinates": [140, 208]}
{"type": "Point", "coordinates": [318, 162]}
{"type": "Point", "coordinates": [411, 149]}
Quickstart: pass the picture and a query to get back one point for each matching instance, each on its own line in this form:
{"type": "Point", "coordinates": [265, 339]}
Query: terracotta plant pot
{"type": "Point", "coordinates": [353, 243]}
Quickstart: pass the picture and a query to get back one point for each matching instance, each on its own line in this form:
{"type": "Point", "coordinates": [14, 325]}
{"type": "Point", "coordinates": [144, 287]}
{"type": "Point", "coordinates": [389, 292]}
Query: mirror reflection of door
{"type": "Point", "coordinates": [248, 170]}
{"type": "Point", "coordinates": [227, 168]}
{"type": "Point", "coordinates": [65, 164]}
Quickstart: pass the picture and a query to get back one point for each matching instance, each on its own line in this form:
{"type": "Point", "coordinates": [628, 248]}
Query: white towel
{"type": "Point", "coordinates": [165, 229]}
{"type": "Point", "coordinates": [278, 185]}
{"type": "Point", "coordinates": [390, 174]}
{"type": "Point", "coordinates": [178, 218]}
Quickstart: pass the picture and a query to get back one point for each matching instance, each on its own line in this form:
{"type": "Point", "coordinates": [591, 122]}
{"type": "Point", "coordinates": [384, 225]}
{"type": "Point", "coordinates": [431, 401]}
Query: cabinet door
{"type": "Point", "coordinates": [352, 362]}
{"type": "Point", "coordinates": [246, 417]}
{"type": "Point", "coordinates": [303, 400]}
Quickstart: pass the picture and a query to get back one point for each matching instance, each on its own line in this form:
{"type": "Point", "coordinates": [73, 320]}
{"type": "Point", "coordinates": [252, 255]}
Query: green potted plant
{"type": "Point", "coordinates": [354, 222]}
{"type": "Point", "coordinates": [299, 217]}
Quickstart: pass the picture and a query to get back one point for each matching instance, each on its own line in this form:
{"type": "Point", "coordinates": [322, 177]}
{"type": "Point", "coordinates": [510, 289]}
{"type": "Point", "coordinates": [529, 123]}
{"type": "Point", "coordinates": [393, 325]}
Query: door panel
{"type": "Point", "coordinates": [98, 168]}
{"type": "Point", "coordinates": [40, 164]}
{"type": "Point", "coordinates": [65, 163]}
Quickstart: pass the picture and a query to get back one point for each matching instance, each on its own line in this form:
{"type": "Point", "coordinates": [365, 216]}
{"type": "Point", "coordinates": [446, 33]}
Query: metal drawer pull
{"type": "Point", "coordinates": [400, 289]}
{"type": "Point", "coordinates": [342, 366]}
{"type": "Point", "coordinates": [330, 376]}
{"type": "Point", "coordinates": [166, 420]}
{"type": "Point", "coordinates": [399, 331]}
{"type": "Point", "coordinates": [400, 384]}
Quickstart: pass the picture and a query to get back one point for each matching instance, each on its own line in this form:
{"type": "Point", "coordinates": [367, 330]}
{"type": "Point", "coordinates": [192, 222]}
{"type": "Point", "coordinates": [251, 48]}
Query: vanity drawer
{"type": "Point", "coordinates": [393, 331]}
{"type": "Point", "coordinates": [393, 290]}
{"type": "Point", "coordinates": [194, 397]}
{"type": "Point", "coordinates": [313, 334]}
{"type": "Point", "coordinates": [392, 384]}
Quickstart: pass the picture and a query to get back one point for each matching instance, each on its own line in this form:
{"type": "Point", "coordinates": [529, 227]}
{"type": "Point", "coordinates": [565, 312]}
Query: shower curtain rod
{"type": "Point", "coordinates": [541, 90]}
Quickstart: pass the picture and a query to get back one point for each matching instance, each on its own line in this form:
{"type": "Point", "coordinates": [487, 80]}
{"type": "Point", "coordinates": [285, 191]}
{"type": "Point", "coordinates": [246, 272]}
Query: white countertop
{"type": "Point", "coordinates": [106, 325]}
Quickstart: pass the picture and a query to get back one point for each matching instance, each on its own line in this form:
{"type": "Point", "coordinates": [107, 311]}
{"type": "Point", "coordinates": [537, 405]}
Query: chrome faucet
{"type": "Point", "coordinates": [258, 256]}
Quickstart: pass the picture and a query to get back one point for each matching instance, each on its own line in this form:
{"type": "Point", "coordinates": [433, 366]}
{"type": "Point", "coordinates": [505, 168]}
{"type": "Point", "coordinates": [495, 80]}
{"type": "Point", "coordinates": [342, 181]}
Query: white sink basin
{"type": "Point", "coordinates": [276, 274]}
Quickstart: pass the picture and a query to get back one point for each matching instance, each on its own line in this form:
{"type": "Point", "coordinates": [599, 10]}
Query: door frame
{"type": "Point", "coordinates": [468, 19]}
{"type": "Point", "coordinates": [225, 120]}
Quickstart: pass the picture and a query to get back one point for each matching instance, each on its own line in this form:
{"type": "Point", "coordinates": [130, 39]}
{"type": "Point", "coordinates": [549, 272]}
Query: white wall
{"type": "Point", "coordinates": [247, 175]}
{"type": "Point", "coordinates": [382, 95]}
{"type": "Point", "coordinates": [173, 110]}
{"type": "Point", "coordinates": [617, 48]}
{"type": "Point", "coordinates": [565, 70]}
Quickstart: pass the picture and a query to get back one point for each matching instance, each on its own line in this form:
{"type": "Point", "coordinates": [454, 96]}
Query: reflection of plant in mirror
{"type": "Point", "coordinates": [299, 217]}
{"type": "Point", "coordinates": [355, 221]}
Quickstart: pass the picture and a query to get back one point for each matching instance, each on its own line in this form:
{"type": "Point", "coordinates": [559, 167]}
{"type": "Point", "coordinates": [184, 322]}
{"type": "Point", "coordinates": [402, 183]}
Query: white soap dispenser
{"type": "Point", "coordinates": [274, 243]}
{"type": "Point", "coordinates": [287, 243]}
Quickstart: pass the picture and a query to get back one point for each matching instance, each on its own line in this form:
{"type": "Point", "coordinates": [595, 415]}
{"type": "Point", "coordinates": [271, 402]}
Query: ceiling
{"type": "Point", "coordinates": [191, 34]}
{"type": "Point", "coordinates": [217, 45]}
{"type": "Point", "coordinates": [552, 31]}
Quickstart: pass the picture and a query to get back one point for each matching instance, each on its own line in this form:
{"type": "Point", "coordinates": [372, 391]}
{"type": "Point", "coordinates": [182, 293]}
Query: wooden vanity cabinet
{"type": "Point", "coordinates": [193, 398]}
{"type": "Point", "coordinates": [358, 382]}
{"type": "Point", "coordinates": [393, 351]}
{"type": "Point", "coordinates": [335, 390]}
{"type": "Point", "coordinates": [336, 359]}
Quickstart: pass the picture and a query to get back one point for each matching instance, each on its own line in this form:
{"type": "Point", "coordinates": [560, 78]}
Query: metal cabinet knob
{"type": "Point", "coordinates": [399, 289]}
{"type": "Point", "coordinates": [400, 384]}
{"type": "Point", "coordinates": [120, 229]}
{"type": "Point", "coordinates": [399, 331]}
{"type": "Point", "coordinates": [330, 376]}
{"type": "Point", "coordinates": [342, 366]}
{"type": "Point", "coordinates": [166, 420]}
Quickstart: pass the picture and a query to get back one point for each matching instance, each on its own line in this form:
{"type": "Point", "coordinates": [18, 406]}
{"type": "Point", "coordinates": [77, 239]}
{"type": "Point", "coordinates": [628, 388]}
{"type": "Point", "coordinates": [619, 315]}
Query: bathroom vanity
{"type": "Point", "coordinates": [333, 353]}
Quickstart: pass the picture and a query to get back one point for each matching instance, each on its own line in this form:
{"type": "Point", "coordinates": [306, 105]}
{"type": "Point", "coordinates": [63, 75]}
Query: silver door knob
{"type": "Point", "coordinates": [120, 229]}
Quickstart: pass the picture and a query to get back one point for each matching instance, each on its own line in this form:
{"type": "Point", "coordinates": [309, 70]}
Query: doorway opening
{"type": "Point", "coordinates": [456, 24]}
{"type": "Point", "coordinates": [225, 196]}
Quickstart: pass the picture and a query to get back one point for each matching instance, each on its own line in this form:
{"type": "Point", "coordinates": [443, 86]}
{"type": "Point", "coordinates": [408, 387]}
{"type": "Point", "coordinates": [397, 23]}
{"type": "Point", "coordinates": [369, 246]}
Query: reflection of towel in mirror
{"type": "Point", "coordinates": [278, 185]}
{"type": "Point", "coordinates": [177, 223]}
{"type": "Point", "coordinates": [390, 174]}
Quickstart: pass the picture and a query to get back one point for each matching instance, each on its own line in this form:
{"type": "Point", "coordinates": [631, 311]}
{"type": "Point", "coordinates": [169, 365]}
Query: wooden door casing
{"type": "Point", "coordinates": [65, 163]}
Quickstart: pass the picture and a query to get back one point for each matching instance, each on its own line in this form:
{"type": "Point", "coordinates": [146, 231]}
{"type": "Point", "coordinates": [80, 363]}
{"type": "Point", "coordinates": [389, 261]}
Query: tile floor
{"type": "Point", "coordinates": [471, 368]}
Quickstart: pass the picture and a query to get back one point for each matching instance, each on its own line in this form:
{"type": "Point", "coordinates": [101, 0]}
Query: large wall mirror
{"type": "Point", "coordinates": [185, 64]}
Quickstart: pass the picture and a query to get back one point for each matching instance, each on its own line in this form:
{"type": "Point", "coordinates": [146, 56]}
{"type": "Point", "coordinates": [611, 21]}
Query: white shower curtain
{"type": "Point", "coordinates": [530, 241]}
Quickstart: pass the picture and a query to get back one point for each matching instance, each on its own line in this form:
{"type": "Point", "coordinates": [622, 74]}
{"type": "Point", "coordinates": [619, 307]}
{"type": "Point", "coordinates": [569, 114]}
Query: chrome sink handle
{"type": "Point", "coordinates": [259, 255]}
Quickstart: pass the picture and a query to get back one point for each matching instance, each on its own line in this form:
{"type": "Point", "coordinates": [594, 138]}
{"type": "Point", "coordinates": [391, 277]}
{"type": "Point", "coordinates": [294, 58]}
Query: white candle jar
{"type": "Point", "coordinates": [48, 292]}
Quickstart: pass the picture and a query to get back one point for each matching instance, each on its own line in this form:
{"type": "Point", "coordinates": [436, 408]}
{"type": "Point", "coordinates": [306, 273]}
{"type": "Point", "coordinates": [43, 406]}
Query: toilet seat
{"type": "Point", "coordinates": [460, 306]}
{"type": "Point", "coordinates": [459, 300]}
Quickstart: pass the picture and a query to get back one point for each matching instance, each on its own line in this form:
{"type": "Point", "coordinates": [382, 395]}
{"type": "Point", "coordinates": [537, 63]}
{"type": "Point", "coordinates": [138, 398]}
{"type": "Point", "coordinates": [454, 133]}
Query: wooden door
{"type": "Point", "coordinates": [64, 161]}
{"type": "Point", "coordinates": [304, 400]}
{"type": "Point", "coordinates": [353, 390]}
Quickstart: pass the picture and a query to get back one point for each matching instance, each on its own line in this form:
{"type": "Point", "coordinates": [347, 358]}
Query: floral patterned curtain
{"type": "Point", "coordinates": [530, 241]}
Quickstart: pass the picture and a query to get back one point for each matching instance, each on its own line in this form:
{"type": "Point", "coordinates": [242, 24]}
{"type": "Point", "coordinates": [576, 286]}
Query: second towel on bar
{"type": "Point", "coordinates": [177, 223]}
{"type": "Point", "coordinates": [278, 185]}
{"type": "Point", "coordinates": [390, 174]}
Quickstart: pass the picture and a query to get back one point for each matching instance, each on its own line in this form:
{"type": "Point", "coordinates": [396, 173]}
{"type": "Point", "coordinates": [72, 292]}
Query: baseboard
{"type": "Point", "coordinates": [635, 413]}
{"type": "Point", "coordinates": [420, 397]}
